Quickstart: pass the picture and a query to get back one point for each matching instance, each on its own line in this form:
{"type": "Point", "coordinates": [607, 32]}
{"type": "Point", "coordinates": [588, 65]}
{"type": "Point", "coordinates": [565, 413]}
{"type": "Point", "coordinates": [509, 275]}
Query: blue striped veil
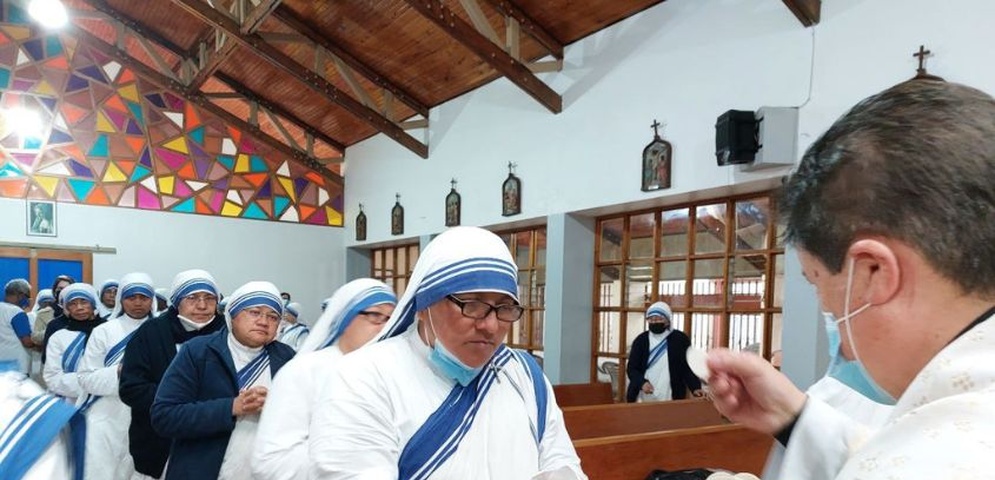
{"type": "Point", "coordinates": [78, 290]}
{"type": "Point", "coordinates": [134, 283]}
{"type": "Point", "coordinates": [253, 294]}
{"type": "Point", "coordinates": [189, 282]}
{"type": "Point", "coordinates": [345, 304]}
{"type": "Point", "coordinates": [461, 259]}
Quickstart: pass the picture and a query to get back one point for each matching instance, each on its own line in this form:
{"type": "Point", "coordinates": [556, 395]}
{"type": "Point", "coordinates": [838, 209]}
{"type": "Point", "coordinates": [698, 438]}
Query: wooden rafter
{"type": "Point", "coordinates": [211, 55]}
{"type": "Point", "coordinates": [530, 26]}
{"type": "Point", "coordinates": [315, 82]}
{"type": "Point", "coordinates": [807, 11]}
{"type": "Point", "coordinates": [489, 52]}
{"type": "Point", "coordinates": [290, 19]}
{"type": "Point", "coordinates": [201, 100]}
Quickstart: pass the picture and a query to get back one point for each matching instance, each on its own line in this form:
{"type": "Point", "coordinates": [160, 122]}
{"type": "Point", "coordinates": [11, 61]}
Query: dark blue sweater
{"type": "Point", "coordinates": [194, 402]}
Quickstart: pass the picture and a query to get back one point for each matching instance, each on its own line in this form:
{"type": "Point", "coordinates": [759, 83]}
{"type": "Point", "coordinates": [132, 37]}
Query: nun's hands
{"type": "Point", "coordinates": [249, 401]}
{"type": "Point", "coordinates": [748, 390]}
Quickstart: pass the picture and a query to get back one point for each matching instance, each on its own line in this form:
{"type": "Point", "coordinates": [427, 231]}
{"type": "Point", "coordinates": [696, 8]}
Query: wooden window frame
{"type": "Point", "coordinates": [533, 270]}
{"type": "Point", "coordinates": [398, 282]}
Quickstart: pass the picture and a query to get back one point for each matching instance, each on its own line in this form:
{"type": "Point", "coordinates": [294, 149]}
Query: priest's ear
{"type": "Point", "coordinates": [877, 270]}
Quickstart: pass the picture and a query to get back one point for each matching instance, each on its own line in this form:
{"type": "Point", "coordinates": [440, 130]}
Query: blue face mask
{"type": "Point", "coordinates": [24, 302]}
{"type": "Point", "coordinates": [451, 366]}
{"type": "Point", "coordinates": [851, 373]}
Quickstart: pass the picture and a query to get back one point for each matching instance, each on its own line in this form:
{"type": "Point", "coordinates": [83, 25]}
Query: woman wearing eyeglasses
{"type": "Point", "coordinates": [443, 397]}
{"type": "Point", "coordinates": [211, 396]}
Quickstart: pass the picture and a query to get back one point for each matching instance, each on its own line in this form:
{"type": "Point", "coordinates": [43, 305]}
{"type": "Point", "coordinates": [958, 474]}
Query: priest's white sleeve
{"type": "Point", "coordinates": [57, 380]}
{"type": "Point", "coordinates": [352, 435]}
{"type": "Point", "coordinates": [281, 450]}
{"type": "Point", "coordinates": [556, 450]}
{"type": "Point", "coordinates": [94, 377]}
{"type": "Point", "coordinates": [821, 442]}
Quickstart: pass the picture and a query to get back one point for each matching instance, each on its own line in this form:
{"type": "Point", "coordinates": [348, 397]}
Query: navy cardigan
{"type": "Point", "coordinates": [194, 401]}
{"type": "Point", "coordinates": [682, 378]}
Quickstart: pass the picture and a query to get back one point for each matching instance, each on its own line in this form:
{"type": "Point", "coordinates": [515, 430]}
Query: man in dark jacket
{"type": "Point", "coordinates": [193, 313]}
{"type": "Point", "coordinates": [658, 368]}
{"type": "Point", "coordinates": [211, 395]}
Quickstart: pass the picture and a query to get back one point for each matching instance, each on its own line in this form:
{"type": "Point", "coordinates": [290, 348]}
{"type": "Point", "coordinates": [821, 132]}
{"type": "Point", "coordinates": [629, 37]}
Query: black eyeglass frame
{"type": "Point", "coordinates": [516, 310]}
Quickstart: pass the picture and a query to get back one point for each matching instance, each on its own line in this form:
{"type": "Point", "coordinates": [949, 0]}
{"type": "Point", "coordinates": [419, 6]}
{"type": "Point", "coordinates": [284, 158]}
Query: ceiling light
{"type": "Point", "coordinates": [49, 13]}
{"type": "Point", "coordinates": [27, 123]}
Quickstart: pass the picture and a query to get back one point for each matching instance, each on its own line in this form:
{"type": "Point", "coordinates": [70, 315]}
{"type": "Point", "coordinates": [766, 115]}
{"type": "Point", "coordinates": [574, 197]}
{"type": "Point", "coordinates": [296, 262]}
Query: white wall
{"type": "Point", "coordinates": [305, 260]}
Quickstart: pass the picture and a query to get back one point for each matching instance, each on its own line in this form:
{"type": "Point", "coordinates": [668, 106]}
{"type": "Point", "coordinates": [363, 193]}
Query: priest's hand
{"type": "Point", "coordinates": [748, 390]}
{"type": "Point", "coordinates": [648, 388]}
{"type": "Point", "coordinates": [249, 401]}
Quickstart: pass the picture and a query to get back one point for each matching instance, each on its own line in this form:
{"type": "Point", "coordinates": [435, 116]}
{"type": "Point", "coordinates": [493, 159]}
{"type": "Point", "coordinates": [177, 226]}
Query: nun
{"type": "Point", "coordinates": [107, 297]}
{"type": "Point", "coordinates": [67, 346]}
{"type": "Point", "coordinates": [293, 332]}
{"type": "Point", "coordinates": [211, 396]}
{"type": "Point", "coordinates": [99, 374]}
{"type": "Point", "coordinates": [357, 312]}
{"type": "Point", "coordinates": [444, 397]}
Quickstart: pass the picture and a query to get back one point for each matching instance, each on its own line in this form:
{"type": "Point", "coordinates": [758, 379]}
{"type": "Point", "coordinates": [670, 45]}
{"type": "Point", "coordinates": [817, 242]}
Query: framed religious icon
{"type": "Point", "coordinates": [657, 159]}
{"type": "Point", "coordinates": [41, 219]}
{"type": "Point", "coordinates": [453, 205]}
{"type": "Point", "coordinates": [397, 217]}
{"type": "Point", "coordinates": [511, 194]}
{"type": "Point", "coordinates": [361, 225]}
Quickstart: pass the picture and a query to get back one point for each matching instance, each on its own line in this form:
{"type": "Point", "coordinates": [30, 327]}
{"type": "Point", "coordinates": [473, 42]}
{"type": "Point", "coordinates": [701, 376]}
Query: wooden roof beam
{"type": "Point", "coordinates": [532, 27]}
{"type": "Point", "coordinates": [210, 59]}
{"type": "Point", "coordinates": [489, 52]}
{"type": "Point", "coordinates": [302, 74]}
{"type": "Point", "coordinates": [292, 20]}
{"type": "Point", "coordinates": [807, 11]}
{"type": "Point", "coordinates": [201, 100]}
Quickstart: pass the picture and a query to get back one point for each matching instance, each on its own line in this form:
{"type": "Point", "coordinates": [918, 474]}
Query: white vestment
{"type": "Point", "coordinates": [15, 391]}
{"type": "Point", "coordinates": [281, 451]}
{"type": "Point", "coordinates": [108, 418]}
{"type": "Point", "coordinates": [10, 344]}
{"type": "Point", "coordinates": [800, 463]}
{"type": "Point", "coordinates": [658, 374]}
{"type": "Point", "coordinates": [236, 464]}
{"type": "Point", "coordinates": [942, 427]}
{"type": "Point", "coordinates": [378, 397]}
{"type": "Point", "coordinates": [59, 382]}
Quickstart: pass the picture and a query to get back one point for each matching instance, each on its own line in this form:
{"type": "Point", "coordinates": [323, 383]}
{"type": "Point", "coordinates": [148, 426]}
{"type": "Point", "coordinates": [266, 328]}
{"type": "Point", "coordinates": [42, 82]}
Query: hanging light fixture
{"type": "Point", "coordinates": [25, 122]}
{"type": "Point", "coordinates": [49, 13]}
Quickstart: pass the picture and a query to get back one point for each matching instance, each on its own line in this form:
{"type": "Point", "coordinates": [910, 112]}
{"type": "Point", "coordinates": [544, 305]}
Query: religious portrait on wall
{"type": "Point", "coordinates": [657, 159]}
{"type": "Point", "coordinates": [453, 205]}
{"type": "Point", "coordinates": [511, 194]}
{"type": "Point", "coordinates": [361, 225]}
{"type": "Point", "coordinates": [397, 217]}
{"type": "Point", "coordinates": [41, 218]}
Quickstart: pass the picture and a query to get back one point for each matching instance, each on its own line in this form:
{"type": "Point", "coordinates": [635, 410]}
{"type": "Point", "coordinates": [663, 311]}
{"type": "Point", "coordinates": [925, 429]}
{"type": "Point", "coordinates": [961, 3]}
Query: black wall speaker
{"type": "Point", "coordinates": [736, 137]}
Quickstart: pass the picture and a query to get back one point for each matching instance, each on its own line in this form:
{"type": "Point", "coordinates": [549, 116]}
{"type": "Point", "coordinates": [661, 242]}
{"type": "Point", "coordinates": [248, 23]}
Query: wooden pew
{"type": "Point", "coordinates": [632, 457]}
{"type": "Point", "coordinates": [574, 395]}
{"type": "Point", "coordinates": [595, 421]}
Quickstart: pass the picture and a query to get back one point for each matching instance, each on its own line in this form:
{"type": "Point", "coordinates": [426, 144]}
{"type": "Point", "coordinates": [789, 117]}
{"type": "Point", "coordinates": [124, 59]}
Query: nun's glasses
{"type": "Point", "coordinates": [478, 310]}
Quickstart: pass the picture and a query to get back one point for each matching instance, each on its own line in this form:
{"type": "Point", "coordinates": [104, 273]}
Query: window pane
{"type": "Point", "coordinates": [389, 260]}
{"type": "Point", "coordinates": [752, 220]}
{"type": "Point", "coordinates": [402, 283]}
{"type": "Point", "coordinates": [639, 282]}
{"type": "Point", "coordinates": [538, 320]}
{"type": "Point", "coordinates": [747, 275]}
{"type": "Point", "coordinates": [776, 327]}
{"type": "Point", "coordinates": [746, 332]}
{"type": "Point", "coordinates": [703, 329]}
{"type": "Point", "coordinates": [708, 288]}
{"type": "Point", "coordinates": [377, 260]}
{"type": "Point", "coordinates": [677, 323]}
{"type": "Point", "coordinates": [710, 229]}
{"type": "Point", "coordinates": [506, 238]}
{"type": "Point", "coordinates": [540, 250]}
{"type": "Point", "coordinates": [523, 246]}
{"type": "Point", "coordinates": [402, 261]}
{"type": "Point", "coordinates": [635, 323]}
{"type": "Point", "coordinates": [641, 235]}
{"type": "Point", "coordinates": [611, 240]}
{"type": "Point", "coordinates": [778, 280]}
{"type": "Point", "coordinates": [412, 256]}
{"type": "Point", "coordinates": [538, 290]}
{"type": "Point", "coordinates": [672, 287]}
{"type": "Point", "coordinates": [608, 332]}
{"type": "Point", "coordinates": [674, 230]}
{"type": "Point", "coordinates": [525, 288]}
{"type": "Point", "coordinates": [610, 294]}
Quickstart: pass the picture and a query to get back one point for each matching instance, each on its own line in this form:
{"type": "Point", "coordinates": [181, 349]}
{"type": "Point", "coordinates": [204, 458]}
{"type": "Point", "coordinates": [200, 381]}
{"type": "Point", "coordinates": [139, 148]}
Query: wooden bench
{"type": "Point", "coordinates": [595, 421]}
{"type": "Point", "coordinates": [574, 395]}
{"type": "Point", "coordinates": [633, 457]}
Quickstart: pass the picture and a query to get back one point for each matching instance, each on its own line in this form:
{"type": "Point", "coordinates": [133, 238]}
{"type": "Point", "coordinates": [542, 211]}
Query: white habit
{"type": "Point", "coordinates": [58, 381]}
{"type": "Point", "coordinates": [294, 335]}
{"type": "Point", "coordinates": [281, 451]}
{"type": "Point", "coordinates": [374, 408]}
{"type": "Point", "coordinates": [108, 418]}
{"type": "Point", "coordinates": [10, 341]}
{"type": "Point", "coordinates": [943, 426]}
{"type": "Point", "coordinates": [658, 374]}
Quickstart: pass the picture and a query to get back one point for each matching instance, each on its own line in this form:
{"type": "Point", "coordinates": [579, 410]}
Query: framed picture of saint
{"type": "Point", "coordinates": [511, 194]}
{"type": "Point", "coordinates": [361, 225]}
{"type": "Point", "coordinates": [453, 206]}
{"type": "Point", "coordinates": [657, 160]}
{"type": "Point", "coordinates": [397, 217]}
{"type": "Point", "coordinates": [41, 218]}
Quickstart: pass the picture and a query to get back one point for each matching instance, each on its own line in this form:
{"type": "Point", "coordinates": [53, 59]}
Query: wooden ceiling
{"type": "Point", "coordinates": [310, 78]}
